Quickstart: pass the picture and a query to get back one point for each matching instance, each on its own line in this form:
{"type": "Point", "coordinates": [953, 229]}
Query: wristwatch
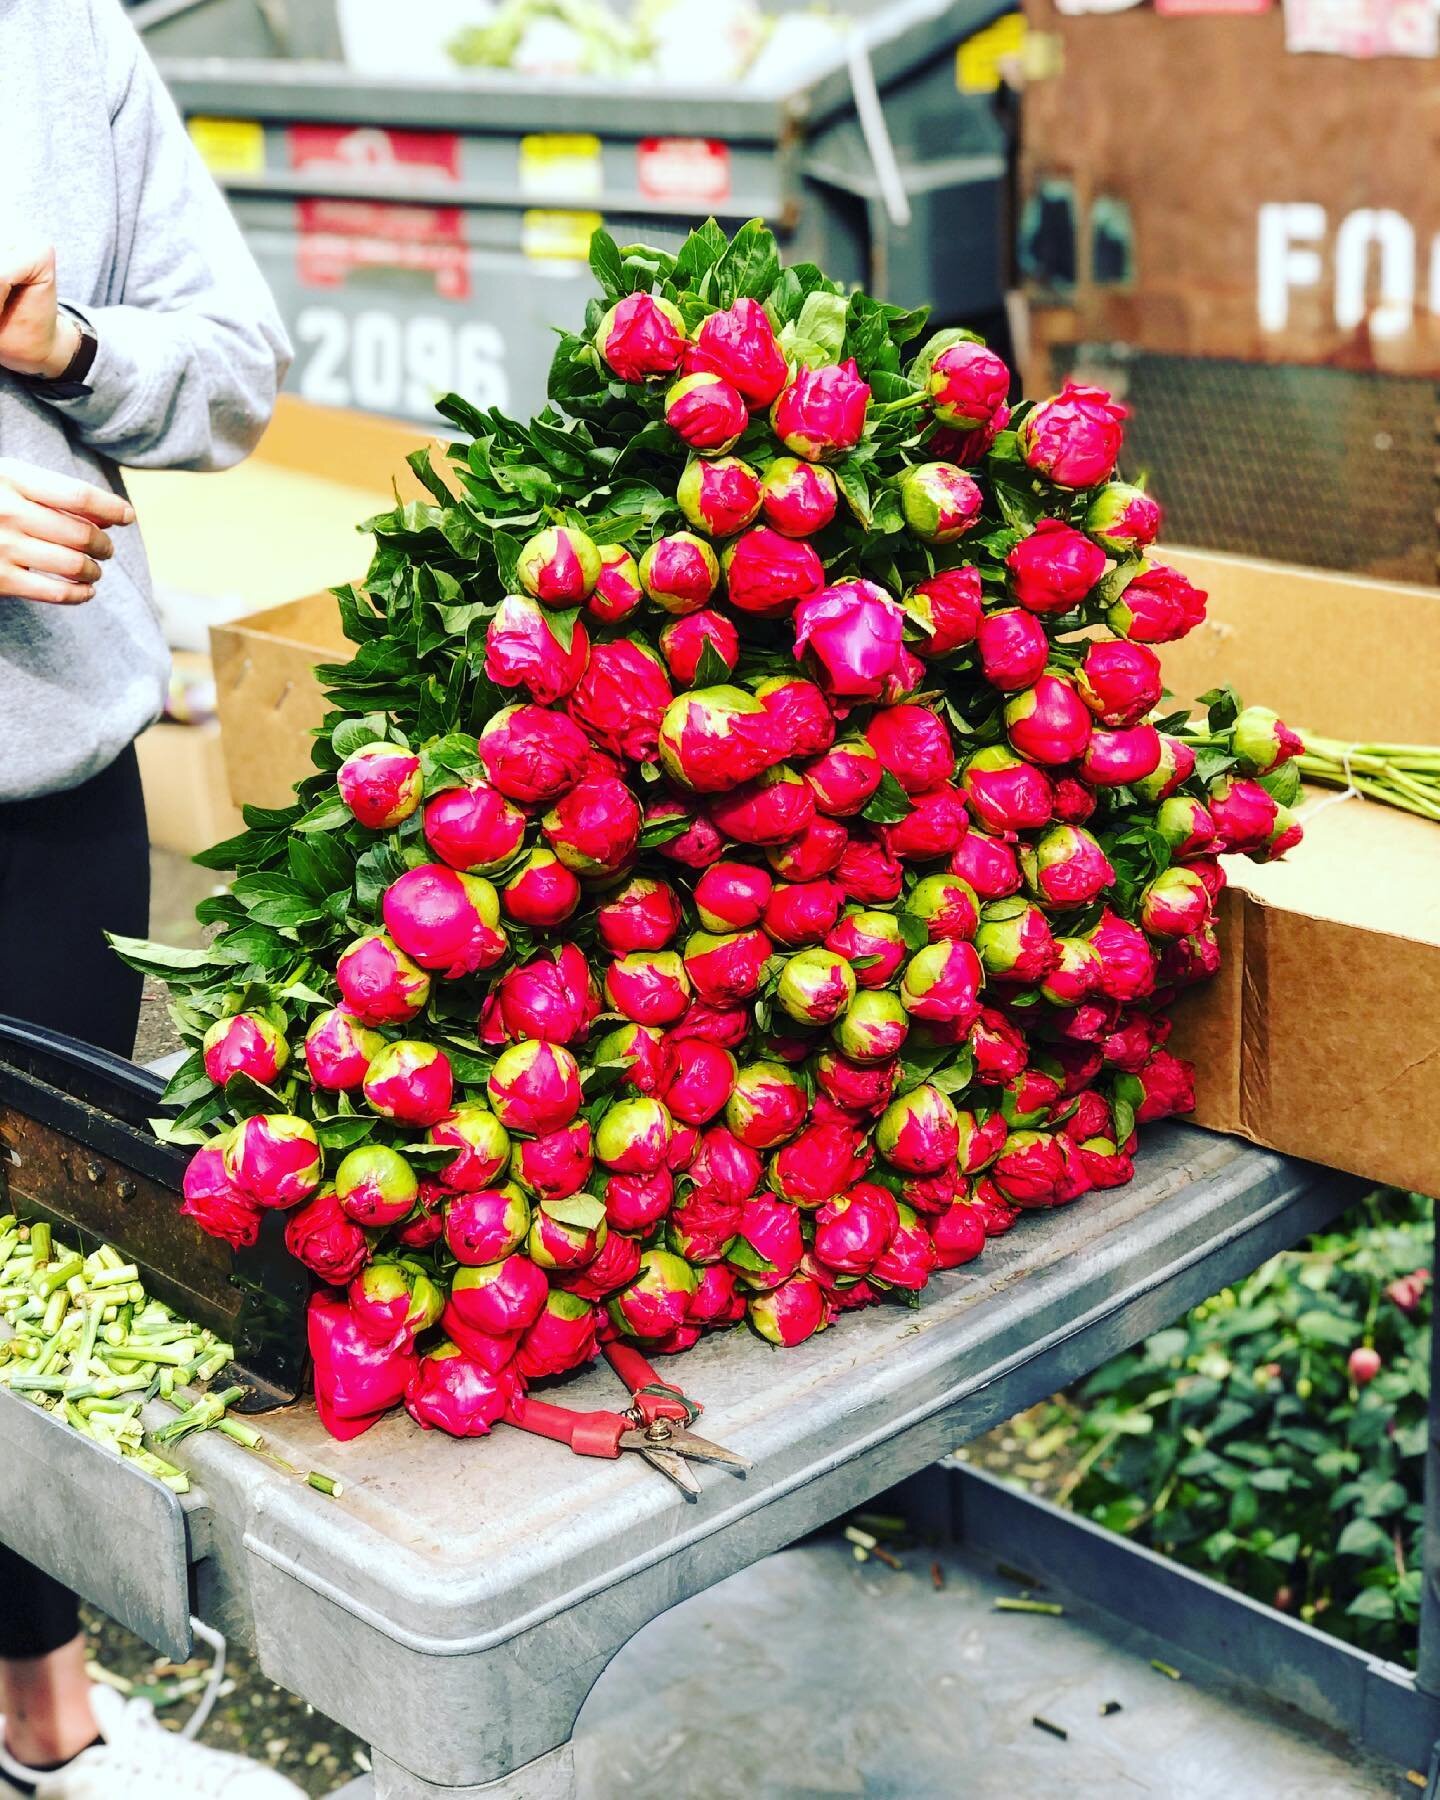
{"type": "Point", "coordinates": [70, 383]}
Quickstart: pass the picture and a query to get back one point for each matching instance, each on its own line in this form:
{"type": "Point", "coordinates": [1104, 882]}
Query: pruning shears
{"type": "Point", "coordinates": [656, 1423]}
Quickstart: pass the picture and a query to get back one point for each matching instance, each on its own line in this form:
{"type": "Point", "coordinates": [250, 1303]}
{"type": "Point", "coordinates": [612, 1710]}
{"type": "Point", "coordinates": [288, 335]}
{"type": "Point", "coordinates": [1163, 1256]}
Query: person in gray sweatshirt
{"type": "Point", "coordinates": [134, 329]}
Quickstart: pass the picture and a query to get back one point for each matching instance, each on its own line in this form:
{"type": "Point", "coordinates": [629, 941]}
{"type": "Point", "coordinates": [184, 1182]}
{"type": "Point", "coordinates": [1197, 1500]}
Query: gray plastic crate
{"type": "Point", "coordinates": [422, 236]}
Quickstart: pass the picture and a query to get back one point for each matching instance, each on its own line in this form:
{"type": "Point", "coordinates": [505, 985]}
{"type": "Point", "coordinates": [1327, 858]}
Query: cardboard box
{"type": "Point", "coordinates": [268, 696]}
{"type": "Point", "coordinates": [187, 796]}
{"type": "Point", "coordinates": [1321, 1035]}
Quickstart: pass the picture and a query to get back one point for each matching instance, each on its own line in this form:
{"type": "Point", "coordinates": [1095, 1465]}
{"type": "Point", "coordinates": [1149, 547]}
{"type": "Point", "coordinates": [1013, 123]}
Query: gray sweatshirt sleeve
{"type": "Point", "coordinates": [192, 349]}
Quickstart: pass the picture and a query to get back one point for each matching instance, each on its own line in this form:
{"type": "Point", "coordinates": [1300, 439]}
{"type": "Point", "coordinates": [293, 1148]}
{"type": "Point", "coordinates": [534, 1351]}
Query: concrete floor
{"type": "Point", "coordinates": [810, 1675]}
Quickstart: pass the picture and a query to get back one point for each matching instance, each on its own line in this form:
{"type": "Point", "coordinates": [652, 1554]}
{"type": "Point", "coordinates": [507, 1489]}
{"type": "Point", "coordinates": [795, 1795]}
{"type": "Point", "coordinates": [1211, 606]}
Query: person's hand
{"type": "Point", "coordinates": [36, 338]}
{"type": "Point", "coordinates": [52, 537]}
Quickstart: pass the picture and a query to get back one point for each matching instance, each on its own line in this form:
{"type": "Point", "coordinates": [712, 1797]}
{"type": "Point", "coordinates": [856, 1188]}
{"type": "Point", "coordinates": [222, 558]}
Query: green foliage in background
{"type": "Point", "coordinates": [1237, 1441]}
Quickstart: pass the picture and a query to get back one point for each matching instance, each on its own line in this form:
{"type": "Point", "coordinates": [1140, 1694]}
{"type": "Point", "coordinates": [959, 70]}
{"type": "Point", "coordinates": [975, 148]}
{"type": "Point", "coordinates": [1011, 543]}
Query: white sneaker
{"type": "Point", "coordinates": [139, 1760]}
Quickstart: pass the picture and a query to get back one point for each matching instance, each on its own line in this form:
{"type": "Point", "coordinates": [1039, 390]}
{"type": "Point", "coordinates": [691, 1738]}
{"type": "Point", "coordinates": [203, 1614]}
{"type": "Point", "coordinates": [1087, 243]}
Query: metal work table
{"type": "Point", "coordinates": [497, 1579]}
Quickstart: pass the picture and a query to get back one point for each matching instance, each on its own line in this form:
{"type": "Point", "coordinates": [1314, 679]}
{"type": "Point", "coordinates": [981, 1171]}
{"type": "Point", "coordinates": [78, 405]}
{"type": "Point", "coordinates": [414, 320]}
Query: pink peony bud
{"type": "Point", "coordinates": [214, 1202]}
{"type": "Point", "coordinates": [244, 1044]}
{"type": "Point", "coordinates": [376, 1186]}
{"type": "Point", "coordinates": [703, 1080]}
{"type": "Point", "coordinates": [718, 1299]}
{"type": "Point", "coordinates": [815, 987]}
{"type": "Point", "coordinates": [552, 997]}
{"type": "Point", "coordinates": [945, 905]}
{"type": "Point", "coordinates": [845, 778]}
{"type": "Point", "coordinates": [695, 847]}
{"type": "Point", "coordinates": [958, 1235]}
{"type": "Point", "coordinates": [617, 592]}
{"type": "Point", "coordinates": [562, 1337]}
{"type": "Point", "coordinates": [411, 1083]}
{"type": "Point", "coordinates": [872, 943]}
{"type": "Point", "coordinates": [869, 872]}
{"type": "Point", "coordinates": [534, 1087]}
{"type": "Point", "coordinates": [567, 1233]}
{"type": "Point", "coordinates": [1013, 649]}
{"type": "Point", "coordinates": [542, 893]}
{"type": "Point", "coordinates": [768, 1105]}
{"type": "Point", "coordinates": [913, 744]}
{"type": "Point", "coordinates": [1157, 607]}
{"type": "Point", "coordinates": [853, 632]}
{"type": "Point", "coordinates": [767, 574]}
{"type": "Point", "coordinates": [1169, 1084]}
{"type": "Point", "coordinates": [730, 896]}
{"type": "Point", "coordinates": [940, 502]}
{"type": "Point", "coordinates": [532, 755]}
{"type": "Point", "coordinates": [642, 915]}
{"type": "Point", "coordinates": [657, 1301]}
{"type": "Point", "coordinates": [559, 566]}
{"type": "Point", "coordinates": [649, 987]}
{"type": "Point", "coordinates": [909, 1257]}
{"type": "Point", "coordinates": [790, 1313]}
{"type": "Point", "coordinates": [487, 1225]}
{"type": "Point", "coordinates": [933, 827]}
{"type": "Point", "coordinates": [1048, 723]}
{"type": "Point", "coordinates": [852, 1086]}
{"type": "Point", "coordinates": [826, 1157]}
{"type": "Point", "coordinates": [1055, 568]}
{"type": "Point", "coordinates": [421, 1229]}
{"type": "Point", "coordinates": [821, 413]}
{"type": "Point", "coordinates": [726, 970]}
{"type": "Point", "coordinates": [595, 828]}
{"type": "Point", "coordinates": [391, 1302]}
{"type": "Point", "coordinates": [711, 739]}
{"type": "Point", "coordinates": [523, 650]}
{"type": "Point", "coordinates": [620, 699]}
{"type": "Point", "coordinates": [770, 1244]}
{"type": "Point", "coordinates": [1175, 904]}
{"type": "Point", "coordinates": [1263, 741]}
{"type": "Point", "coordinates": [853, 1231]}
{"type": "Point", "coordinates": [918, 1132]}
{"type": "Point", "coordinates": [451, 1392]}
{"type": "Point", "coordinates": [1122, 519]}
{"type": "Point", "coordinates": [1176, 765]}
{"type": "Point", "coordinates": [378, 983]}
{"type": "Point", "coordinates": [998, 1045]}
{"type": "Point", "coordinates": [1285, 834]}
{"type": "Point", "coordinates": [1243, 813]}
{"type": "Point", "coordinates": [947, 608]}
{"type": "Point", "coordinates": [679, 572]}
{"type": "Point", "coordinates": [1119, 681]}
{"type": "Point", "coordinates": [474, 829]}
{"type": "Point", "coordinates": [1029, 1098]}
{"type": "Point", "coordinates": [324, 1241]}
{"type": "Point", "coordinates": [1014, 941]}
{"type": "Point", "coordinates": [706, 412]}
{"type": "Point", "coordinates": [443, 921]}
{"type": "Point", "coordinates": [1136, 1035]}
{"type": "Point", "coordinates": [1074, 437]}
{"type": "Point", "coordinates": [988, 863]}
{"type": "Point", "coordinates": [1185, 961]}
{"type": "Point", "coordinates": [739, 344]}
{"type": "Point", "coordinates": [702, 1227]}
{"type": "Point", "coordinates": [355, 1381]}
{"type": "Point", "coordinates": [1030, 1169]}
{"type": "Point", "coordinates": [683, 642]}
{"type": "Point", "coordinates": [967, 384]}
{"type": "Point", "coordinates": [1066, 867]}
{"type": "Point", "coordinates": [798, 498]}
{"type": "Point", "coordinates": [773, 808]}
{"type": "Point", "coordinates": [1363, 1365]}
{"type": "Point", "coordinates": [381, 784]}
{"type": "Point", "coordinates": [339, 1049]}
{"type": "Point", "coordinates": [641, 336]}
{"type": "Point", "coordinates": [635, 1202]}
{"type": "Point", "coordinates": [943, 982]}
{"type": "Point", "coordinates": [969, 447]}
{"type": "Point", "coordinates": [1120, 758]}
{"type": "Point", "coordinates": [274, 1159]}
{"type": "Point", "coordinates": [719, 495]}
{"type": "Point", "coordinates": [981, 1139]}
{"type": "Point", "coordinates": [874, 1027]}
{"type": "Point", "coordinates": [1127, 961]}
{"type": "Point", "coordinates": [804, 724]}
{"type": "Point", "coordinates": [633, 1136]}
{"type": "Point", "coordinates": [643, 1051]}
{"type": "Point", "coordinates": [481, 1145]}
{"type": "Point", "coordinates": [724, 1168]}
{"type": "Point", "coordinates": [1006, 793]}
{"type": "Point", "coordinates": [802, 912]}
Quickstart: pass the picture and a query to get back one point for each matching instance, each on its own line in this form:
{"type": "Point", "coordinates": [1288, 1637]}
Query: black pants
{"type": "Point", "coordinates": [72, 867]}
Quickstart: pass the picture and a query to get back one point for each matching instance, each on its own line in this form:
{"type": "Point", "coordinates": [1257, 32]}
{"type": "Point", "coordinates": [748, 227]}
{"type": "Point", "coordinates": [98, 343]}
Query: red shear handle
{"type": "Point", "coordinates": [642, 1382]}
{"type": "Point", "coordinates": [587, 1433]}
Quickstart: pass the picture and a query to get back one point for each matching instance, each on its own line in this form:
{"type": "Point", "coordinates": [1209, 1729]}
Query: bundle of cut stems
{"type": "Point", "coordinates": [1403, 775]}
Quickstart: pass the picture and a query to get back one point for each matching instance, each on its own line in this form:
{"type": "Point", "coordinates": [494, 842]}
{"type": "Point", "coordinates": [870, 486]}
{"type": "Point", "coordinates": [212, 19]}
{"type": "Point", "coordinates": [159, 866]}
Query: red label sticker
{"type": "Point", "coordinates": [339, 236]}
{"type": "Point", "coordinates": [692, 170]}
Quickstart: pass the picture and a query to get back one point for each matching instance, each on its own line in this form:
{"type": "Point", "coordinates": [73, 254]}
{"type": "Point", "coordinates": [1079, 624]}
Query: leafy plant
{"type": "Point", "coordinates": [1239, 1442]}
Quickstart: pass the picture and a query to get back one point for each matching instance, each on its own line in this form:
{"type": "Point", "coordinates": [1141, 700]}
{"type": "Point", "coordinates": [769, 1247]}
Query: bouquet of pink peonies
{"type": "Point", "coordinates": [746, 867]}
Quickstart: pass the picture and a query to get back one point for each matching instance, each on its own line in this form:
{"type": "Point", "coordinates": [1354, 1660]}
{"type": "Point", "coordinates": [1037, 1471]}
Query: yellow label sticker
{"type": "Point", "coordinates": [230, 146]}
{"type": "Point", "coordinates": [558, 236]}
{"type": "Point", "coordinates": [978, 60]}
{"type": "Point", "coordinates": [561, 166]}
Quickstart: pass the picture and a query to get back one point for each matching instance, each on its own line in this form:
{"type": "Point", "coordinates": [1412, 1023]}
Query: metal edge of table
{"type": "Point", "coordinates": [1028, 1325]}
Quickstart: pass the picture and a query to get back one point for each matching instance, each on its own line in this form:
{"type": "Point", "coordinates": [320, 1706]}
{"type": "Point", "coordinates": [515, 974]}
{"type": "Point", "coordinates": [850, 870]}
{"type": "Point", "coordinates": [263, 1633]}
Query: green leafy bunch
{"type": "Point", "coordinates": [1240, 1442]}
